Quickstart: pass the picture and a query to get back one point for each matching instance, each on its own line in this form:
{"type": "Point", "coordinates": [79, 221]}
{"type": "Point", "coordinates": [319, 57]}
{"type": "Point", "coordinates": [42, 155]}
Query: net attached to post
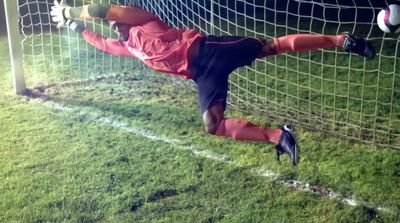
{"type": "Point", "coordinates": [326, 90]}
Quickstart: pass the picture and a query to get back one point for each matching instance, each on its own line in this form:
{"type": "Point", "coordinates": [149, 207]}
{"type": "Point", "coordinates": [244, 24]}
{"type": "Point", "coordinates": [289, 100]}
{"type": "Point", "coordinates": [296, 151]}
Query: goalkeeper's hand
{"type": "Point", "coordinates": [60, 13]}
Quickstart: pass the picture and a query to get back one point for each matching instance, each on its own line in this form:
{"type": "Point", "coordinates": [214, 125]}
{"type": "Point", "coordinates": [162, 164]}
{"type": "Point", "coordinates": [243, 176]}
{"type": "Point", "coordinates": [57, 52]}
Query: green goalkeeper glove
{"type": "Point", "coordinates": [60, 13]}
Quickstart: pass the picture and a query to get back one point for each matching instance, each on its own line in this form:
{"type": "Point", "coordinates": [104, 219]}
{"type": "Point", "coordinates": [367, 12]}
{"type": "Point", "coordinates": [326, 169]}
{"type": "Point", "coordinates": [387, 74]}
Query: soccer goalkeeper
{"type": "Point", "coordinates": [207, 60]}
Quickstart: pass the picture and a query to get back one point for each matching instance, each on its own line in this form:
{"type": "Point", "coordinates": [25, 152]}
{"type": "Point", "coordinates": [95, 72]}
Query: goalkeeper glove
{"type": "Point", "coordinates": [60, 13]}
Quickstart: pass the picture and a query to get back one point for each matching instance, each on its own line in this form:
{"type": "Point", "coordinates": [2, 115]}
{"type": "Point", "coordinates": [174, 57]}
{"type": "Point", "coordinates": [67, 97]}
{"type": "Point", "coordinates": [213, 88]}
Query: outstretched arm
{"type": "Point", "coordinates": [108, 45]}
{"type": "Point", "coordinates": [122, 14]}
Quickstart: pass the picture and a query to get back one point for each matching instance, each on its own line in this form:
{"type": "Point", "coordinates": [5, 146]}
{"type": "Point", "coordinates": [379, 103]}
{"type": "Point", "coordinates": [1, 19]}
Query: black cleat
{"type": "Point", "coordinates": [287, 144]}
{"type": "Point", "coordinates": [358, 45]}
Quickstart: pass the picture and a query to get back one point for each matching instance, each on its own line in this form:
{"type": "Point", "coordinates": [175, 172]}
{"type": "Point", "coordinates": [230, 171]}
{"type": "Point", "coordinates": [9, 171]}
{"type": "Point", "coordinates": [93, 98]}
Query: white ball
{"type": "Point", "coordinates": [389, 19]}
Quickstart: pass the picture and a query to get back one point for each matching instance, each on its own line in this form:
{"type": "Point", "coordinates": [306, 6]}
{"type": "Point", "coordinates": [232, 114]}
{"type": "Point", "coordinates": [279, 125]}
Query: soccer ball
{"type": "Point", "coordinates": [389, 19]}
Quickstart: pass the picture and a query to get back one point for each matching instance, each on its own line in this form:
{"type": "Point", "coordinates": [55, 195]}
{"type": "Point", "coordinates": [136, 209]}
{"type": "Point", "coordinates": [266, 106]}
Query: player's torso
{"type": "Point", "coordinates": [162, 48]}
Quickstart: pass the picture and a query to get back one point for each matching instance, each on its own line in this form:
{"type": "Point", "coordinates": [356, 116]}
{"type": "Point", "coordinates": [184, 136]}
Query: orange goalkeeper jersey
{"type": "Point", "coordinates": [154, 43]}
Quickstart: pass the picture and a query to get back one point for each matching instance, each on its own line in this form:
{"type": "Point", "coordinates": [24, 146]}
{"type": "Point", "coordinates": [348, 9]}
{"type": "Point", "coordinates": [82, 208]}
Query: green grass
{"type": "Point", "coordinates": [70, 166]}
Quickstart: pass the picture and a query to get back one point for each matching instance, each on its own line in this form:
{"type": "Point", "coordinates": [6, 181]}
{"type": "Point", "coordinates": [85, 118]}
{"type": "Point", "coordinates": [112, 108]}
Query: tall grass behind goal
{"type": "Point", "coordinates": [326, 90]}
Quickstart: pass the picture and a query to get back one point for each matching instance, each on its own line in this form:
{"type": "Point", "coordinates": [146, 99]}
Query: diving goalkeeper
{"type": "Point", "coordinates": [207, 60]}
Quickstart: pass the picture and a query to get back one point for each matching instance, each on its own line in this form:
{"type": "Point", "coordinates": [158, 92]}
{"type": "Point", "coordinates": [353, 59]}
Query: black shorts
{"type": "Point", "coordinates": [217, 58]}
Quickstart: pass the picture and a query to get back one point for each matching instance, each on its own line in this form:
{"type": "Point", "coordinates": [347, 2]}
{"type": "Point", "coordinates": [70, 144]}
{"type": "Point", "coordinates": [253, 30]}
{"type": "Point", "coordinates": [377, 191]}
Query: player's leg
{"type": "Point", "coordinates": [212, 99]}
{"type": "Point", "coordinates": [239, 129]}
{"type": "Point", "coordinates": [306, 42]}
{"type": "Point", "coordinates": [213, 117]}
{"type": "Point", "coordinates": [217, 58]}
{"type": "Point", "coordinates": [216, 124]}
{"type": "Point", "coordinates": [122, 14]}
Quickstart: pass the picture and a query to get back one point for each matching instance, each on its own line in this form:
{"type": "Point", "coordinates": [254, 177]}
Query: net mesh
{"type": "Point", "coordinates": [326, 90]}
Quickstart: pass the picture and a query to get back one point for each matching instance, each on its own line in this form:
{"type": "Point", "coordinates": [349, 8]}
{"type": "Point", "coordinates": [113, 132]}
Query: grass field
{"type": "Point", "coordinates": [134, 150]}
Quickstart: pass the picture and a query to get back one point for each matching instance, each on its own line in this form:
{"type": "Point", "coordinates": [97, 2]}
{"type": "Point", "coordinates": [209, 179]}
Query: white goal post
{"type": "Point", "coordinates": [15, 46]}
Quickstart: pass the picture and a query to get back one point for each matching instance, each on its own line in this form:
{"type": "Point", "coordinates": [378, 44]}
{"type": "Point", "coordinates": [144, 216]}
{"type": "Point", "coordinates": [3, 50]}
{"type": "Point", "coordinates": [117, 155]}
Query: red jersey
{"type": "Point", "coordinates": [154, 43]}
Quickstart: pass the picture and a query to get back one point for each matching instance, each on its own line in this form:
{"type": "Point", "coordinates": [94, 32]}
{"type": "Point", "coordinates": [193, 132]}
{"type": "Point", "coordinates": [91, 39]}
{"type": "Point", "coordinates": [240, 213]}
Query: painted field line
{"type": "Point", "coordinates": [258, 171]}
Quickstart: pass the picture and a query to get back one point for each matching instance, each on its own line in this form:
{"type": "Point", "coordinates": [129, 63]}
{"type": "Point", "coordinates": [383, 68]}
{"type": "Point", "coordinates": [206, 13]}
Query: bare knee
{"type": "Point", "coordinates": [213, 117]}
{"type": "Point", "coordinates": [212, 127]}
{"type": "Point", "coordinates": [268, 49]}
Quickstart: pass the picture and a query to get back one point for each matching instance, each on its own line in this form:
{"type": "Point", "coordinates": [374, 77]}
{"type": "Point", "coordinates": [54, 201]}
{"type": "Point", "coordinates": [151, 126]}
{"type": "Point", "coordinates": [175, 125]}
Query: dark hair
{"type": "Point", "coordinates": [124, 36]}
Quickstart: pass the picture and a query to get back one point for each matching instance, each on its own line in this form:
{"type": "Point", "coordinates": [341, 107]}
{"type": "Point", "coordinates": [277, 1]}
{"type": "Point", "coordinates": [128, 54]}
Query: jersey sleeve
{"type": "Point", "coordinates": [129, 15]}
{"type": "Point", "coordinates": [122, 14]}
{"type": "Point", "coordinates": [108, 45]}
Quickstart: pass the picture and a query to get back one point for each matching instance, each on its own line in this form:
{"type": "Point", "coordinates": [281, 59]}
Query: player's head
{"type": "Point", "coordinates": [121, 29]}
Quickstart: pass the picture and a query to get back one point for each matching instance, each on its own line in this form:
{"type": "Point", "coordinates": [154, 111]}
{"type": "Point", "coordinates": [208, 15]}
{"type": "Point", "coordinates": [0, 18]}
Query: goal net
{"type": "Point", "coordinates": [326, 90]}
